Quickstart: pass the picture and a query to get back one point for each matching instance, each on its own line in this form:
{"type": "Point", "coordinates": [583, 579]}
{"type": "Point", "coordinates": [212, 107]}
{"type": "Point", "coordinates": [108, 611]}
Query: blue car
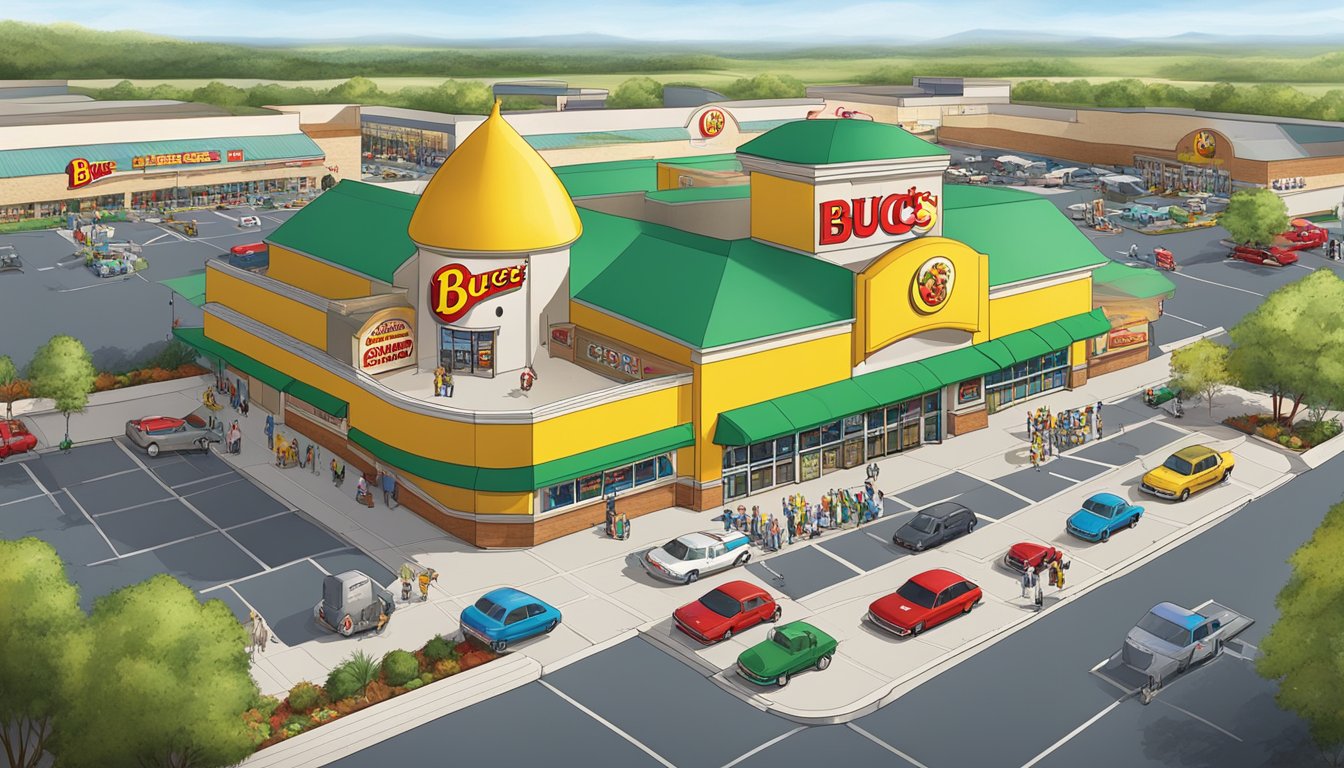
{"type": "Point", "coordinates": [1102, 515]}
{"type": "Point", "coordinates": [507, 615]}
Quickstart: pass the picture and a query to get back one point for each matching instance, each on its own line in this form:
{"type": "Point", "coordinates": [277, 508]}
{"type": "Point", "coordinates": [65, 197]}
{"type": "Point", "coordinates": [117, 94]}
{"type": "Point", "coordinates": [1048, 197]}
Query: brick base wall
{"type": "Point", "coordinates": [1099, 365]}
{"type": "Point", "coordinates": [632, 505]}
{"type": "Point", "coordinates": [699, 499]}
{"type": "Point", "coordinates": [961, 423]}
{"type": "Point", "coordinates": [1077, 377]}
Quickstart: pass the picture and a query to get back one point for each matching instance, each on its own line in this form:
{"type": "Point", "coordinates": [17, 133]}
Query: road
{"type": "Point", "coordinates": [1029, 700]}
{"type": "Point", "coordinates": [121, 320]}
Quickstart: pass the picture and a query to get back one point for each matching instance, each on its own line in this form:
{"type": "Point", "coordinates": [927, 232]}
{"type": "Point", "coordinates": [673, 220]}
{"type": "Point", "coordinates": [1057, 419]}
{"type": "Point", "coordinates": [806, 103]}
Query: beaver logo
{"type": "Point", "coordinates": [933, 284]}
{"type": "Point", "coordinates": [1206, 146]}
{"type": "Point", "coordinates": [712, 123]}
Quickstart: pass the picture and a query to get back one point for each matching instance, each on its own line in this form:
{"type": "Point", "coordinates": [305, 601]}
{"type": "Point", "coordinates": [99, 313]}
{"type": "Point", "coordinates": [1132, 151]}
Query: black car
{"type": "Point", "coordinates": [933, 526]}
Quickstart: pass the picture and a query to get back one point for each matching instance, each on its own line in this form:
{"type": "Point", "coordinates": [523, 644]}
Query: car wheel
{"type": "Point", "coordinates": [782, 680]}
{"type": "Point", "coordinates": [499, 646]}
{"type": "Point", "coordinates": [152, 449]}
{"type": "Point", "coordinates": [970, 526]}
{"type": "Point", "coordinates": [1183, 665]}
{"type": "Point", "coordinates": [1227, 475]}
{"type": "Point", "coordinates": [204, 445]}
{"type": "Point", "coordinates": [823, 662]}
{"type": "Point", "coordinates": [1185, 494]}
{"type": "Point", "coordinates": [967, 608]}
{"type": "Point", "coordinates": [775, 616]}
{"type": "Point", "coordinates": [915, 630]}
{"type": "Point", "coordinates": [347, 625]}
{"type": "Point", "coordinates": [727, 635]}
{"type": "Point", "coordinates": [742, 559]}
{"type": "Point", "coordinates": [551, 627]}
{"type": "Point", "coordinates": [692, 576]}
{"type": "Point", "coordinates": [1134, 522]}
{"type": "Point", "coordinates": [1105, 535]}
{"type": "Point", "coordinates": [1217, 649]}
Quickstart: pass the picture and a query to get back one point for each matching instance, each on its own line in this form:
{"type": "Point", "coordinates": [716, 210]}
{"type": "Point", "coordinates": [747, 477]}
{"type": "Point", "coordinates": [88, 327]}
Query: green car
{"type": "Point", "coordinates": [789, 650]}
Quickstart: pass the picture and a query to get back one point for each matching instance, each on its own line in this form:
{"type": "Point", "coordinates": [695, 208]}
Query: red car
{"type": "Point", "coordinates": [924, 601]}
{"type": "Point", "coordinates": [15, 438]}
{"type": "Point", "coordinates": [1273, 256]}
{"type": "Point", "coordinates": [1027, 554]}
{"type": "Point", "coordinates": [1304, 235]}
{"type": "Point", "coordinates": [733, 607]}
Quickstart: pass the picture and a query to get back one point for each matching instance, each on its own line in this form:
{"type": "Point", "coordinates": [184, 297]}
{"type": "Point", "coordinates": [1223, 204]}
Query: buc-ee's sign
{"type": "Point", "coordinates": [454, 290]}
{"type": "Point", "coordinates": [81, 172]}
{"type": "Point", "coordinates": [861, 217]}
{"type": "Point", "coordinates": [175, 158]}
{"type": "Point", "coordinates": [388, 345]}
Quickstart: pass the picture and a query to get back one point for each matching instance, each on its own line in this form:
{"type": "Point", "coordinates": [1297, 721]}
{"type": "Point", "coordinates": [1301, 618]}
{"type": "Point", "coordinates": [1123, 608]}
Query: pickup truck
{"type": "Point", "coordinates": [15, 438]}
{"type": "Point", "coordinates": [1169, 640]}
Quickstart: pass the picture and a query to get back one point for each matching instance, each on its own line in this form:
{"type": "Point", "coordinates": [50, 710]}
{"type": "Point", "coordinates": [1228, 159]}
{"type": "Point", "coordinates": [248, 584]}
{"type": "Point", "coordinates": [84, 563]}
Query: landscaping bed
{"type": "Point", "coordinates": [1299, 436]}
{"type": "Point", "coordinates": [358, 683]}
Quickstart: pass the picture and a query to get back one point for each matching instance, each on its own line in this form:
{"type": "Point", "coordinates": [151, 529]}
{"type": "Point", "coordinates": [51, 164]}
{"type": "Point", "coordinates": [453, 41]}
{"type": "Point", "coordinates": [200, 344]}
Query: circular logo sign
{"type": "Point", "coordinates": [712, 122]}
{"type": "Point", "coordinates": [933, 284]}
{"type": "Point", "coordinates": [1205, 144]}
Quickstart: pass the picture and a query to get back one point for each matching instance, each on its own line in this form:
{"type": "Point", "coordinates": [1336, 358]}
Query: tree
{"type": "Point", "coordinates": [1201, 369]}
{"type": "Point", "coordinates": [766, 86]}
{"type": "Point", "coordinates": [1255, 216]}
{"type": "Point", "coordinates": [178, 673]}
{"type": "Point", "coordinates": [1121, 93]}
{"type": "Point", "coordinates": [1301, 650]}
{"type": "Point", "coordinates": [637, 93]}
{"type": "Point", "coordinates": [63, 371]}
{"type": "Point", "coordinates": [42, 629]}
{"type": "Point", "coordinates": [8, 392]}
{"type": "Point", "coordinates": [219, 94]}
{"type": "Point", "coordinates": [328, 181]}
{"type": "Point", "coordinates": [356, 90]}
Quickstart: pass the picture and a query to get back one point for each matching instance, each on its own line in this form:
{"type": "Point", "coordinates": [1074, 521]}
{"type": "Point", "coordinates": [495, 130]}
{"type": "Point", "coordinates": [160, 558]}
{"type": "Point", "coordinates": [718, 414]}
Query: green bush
{"type": "Point", "coordinates": [295, 724]}
{"type": "Point", "coordinates": [438, 649]}
{"type": "Point", "coordinates": [28, 225]}
{"type": "Point", "coordinates": [343, 684]}
{"type": "Point", "coordinates": [266, 705]}
{"type": "Point", "coordinates": [174, 354]}
{"type": "Point", "coordinates": [399, 667]}
{"type": "Point", "coordinates": [426, 678]}
{"type": "Point", "coordinates": [303, 697]}
{"type": "Point", "coordinates": [413, 683]}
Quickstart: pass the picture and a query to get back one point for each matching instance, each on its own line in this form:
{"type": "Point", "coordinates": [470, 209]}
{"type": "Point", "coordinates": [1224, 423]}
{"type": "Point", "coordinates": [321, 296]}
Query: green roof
{"type": "Point", "coordinates": [822, 142]}
{"type": "Point", "coordinates": [820, 405]}
{"type": "Point", "coordinates": [710, 292]}
{"type": "Point", "coordinates": [319, 399]}
{"type": "Point", "coordinates": [190, 287]}
{"type": "Point", "coordinates": [701, 194]}
{"type": "Point", "coordinates": [361, 227]}
{"type": "Point", "coordinates": [603, 138]}
{"type": "Point", "coordinates": [210, 348]}
{"type": "Point", "coordinates": [517, 479]}
{"type": "Point", "coordinates": [53, 160]}
{"type": "Point", "coordinates": [588, 179]}
{"type": "Point", "coordinates": [1136, 282]}
{"type": "Point", "coordinates": [1024, 234]}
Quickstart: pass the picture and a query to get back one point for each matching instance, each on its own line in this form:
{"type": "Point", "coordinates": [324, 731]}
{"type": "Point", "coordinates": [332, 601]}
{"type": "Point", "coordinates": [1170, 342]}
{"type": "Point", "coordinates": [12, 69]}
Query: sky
{"type": "Point", "coordinates": [685, 19]}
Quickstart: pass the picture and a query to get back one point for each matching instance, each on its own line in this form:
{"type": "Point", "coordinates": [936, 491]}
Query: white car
{"type": "Point", "coordinates": [686, 558]}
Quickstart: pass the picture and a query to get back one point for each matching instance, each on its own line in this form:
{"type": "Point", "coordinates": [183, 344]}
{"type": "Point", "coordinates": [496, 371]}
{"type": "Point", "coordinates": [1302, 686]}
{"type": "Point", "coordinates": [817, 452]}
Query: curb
{"type": "Point", "coordinates": [1174, 345]}
{"type": "Point", "coordinates": [591, 650]}
{"type": "Point", "coordinates": [384, 720]}
{"type": "Point", "coordinates": [1315, 457]}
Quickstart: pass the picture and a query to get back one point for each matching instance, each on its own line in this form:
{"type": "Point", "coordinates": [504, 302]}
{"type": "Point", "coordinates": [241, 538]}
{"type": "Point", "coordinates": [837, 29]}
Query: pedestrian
{"type": "Point", "coordinates": [270, 432]}
{"type": "Point", "coordinates": [1034, 458]}
{"type": "Point", "coordinates": [625, 526]}
{"type": "Point", "coordinates": [1057, 573]}
{"type": "Point", "coordinates": [742, 518]}
{"type": "Point", "coordinates": [308, 457]}
{"type": "Point", "coordinates": [751, 523]}
{"type": "Point", "coordinates": [317, 457]}
{"type": "Point", "coordinates": [243, 407]}
{"type": "Point", "coordinates": [1026, 580]}
{"type": "Point", "coordinates": [1098, 421]}
{"type": "Point", "coordinates": [406, 576]}
{"type": "Point", "coordinates": [727, 520]}
{"type": "Point", "coordinates": [389, 485]}
{"type": "Point", "coordinates": [447, 384]}
{"type": "Point", "coordinates": [1028, 425]}
{"type": "Point", "coordinates": [789, 526]}
{"type": "Point", "coordinates": [426, 576]}
{"type": "Point", "coordinates": [619, 527]}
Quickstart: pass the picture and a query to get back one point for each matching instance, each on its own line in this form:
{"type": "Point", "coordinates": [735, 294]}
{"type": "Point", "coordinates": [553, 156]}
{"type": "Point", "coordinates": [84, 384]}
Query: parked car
{"type": "Point", "coordinates": [249, 221]}
{"type": "Point", "coordinates": [352, 602]}
{"type": "Point", "coordinates": [15, 438]}
{"type": "Point", "coordinates": [926, 600]}
{"type": "Point", "coordinates": [253, 257]}
{"type": "Point", "coordinates": [1188, 470]}
{"type": "Point", "coordinates": [1273, 256]}
{"type": "Point", "coordinates": [1304, 235]}
{"type": "Point", "coordinates": [790, 649]}
{"type": "Point", "coordinates": [722, 612]}
{"type": "Point", "coordinates": [687, 558]}
{"type": "Point", "coordinates": [1028, 554]}
{"type": "Point", "coordinates": [507, 615]}
{"type": "Point", "coordinates": [1101, 515]}
{"type": "Point", "coordinates": [933, 526]}
{"type": "Point", "coordinates": [167, 433]}
{"type": "Point", "coordinates": [1170, 639]}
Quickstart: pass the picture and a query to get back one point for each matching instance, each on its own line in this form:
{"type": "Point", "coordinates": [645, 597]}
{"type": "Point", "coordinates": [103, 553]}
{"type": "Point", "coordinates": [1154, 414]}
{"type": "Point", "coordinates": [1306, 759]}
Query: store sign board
{"type": "Point", "coordinates": [175, 158]}
{"type": "Point", "coordinates": [901, 213]}
{"type": "Point", "coordinates": [968, 391]}
{"type": "Point", "coordinates": [712, 122]}
{"type": "Point", "coordinates": [386, 342]}
{"type": "Point", "coordinates": [945, 283]}
{"type": "Point", "coordinates": [235, 155]}
{"type": "Point", "coordinates": [1121, 339]}
{"type": "Point", "coordinates": [610, 357]}
{"type": "Point", "coordinates": [81, 172]}
{"type": "Point", "coordinates": [454, 290]}
{"type": "Point", "coordinates": [932, 286]}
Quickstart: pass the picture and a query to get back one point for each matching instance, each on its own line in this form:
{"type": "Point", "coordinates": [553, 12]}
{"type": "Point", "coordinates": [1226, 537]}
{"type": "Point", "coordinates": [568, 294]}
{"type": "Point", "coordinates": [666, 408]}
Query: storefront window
{"type": "Point", "coordinates": [853, 424]}
{"type": "Point", "coordinates": [645, 472]}
{"type": "Point", "coordinates": [617, 480]}
{"type": "Point", "coordinates": [590, 487]}
{"type": "Point", "coordinates": [402, 144]}
{"type": "Point", "coordinates": [467, 352]}
{"type": "Point", "coordinates": [876, 445]}
{"type": "Point", "coordinates": [784, 446]}
{"type": "Point", "coordinates": [614, 480]}
{"type": "Point", "coordinates": [735, 485]}
{"type": "Point", "coordinates": [895, 413]}
{"type": "Point", "coordinates": [734, 456]}
{"type": "Point", "coordinates": [665, 468]}
{"type": "Point", "coordinates": [762, 478]}
{"type": "Point", "coordinates": [809, 466]}
{"type": "Point", "coordinates": [1024, 380]}
{"type": "Point", "coordinates": [830, 433]}
{"type": "Point", "coordinates": [830, 459]}
{"type": "Point", "coordinates": [875, 420]}
{"type": "Point", "coordinates": [784, 472]}
{"type": "Point", "coordinates": [809, 439]}
{"type": "Point", "coordinates": [557, 496]}
{"type": "Point", "coordinates": [762, 451]}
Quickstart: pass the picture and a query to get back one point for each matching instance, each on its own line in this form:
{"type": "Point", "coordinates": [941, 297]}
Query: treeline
{"type": "Point", "coordinates": [451, 96]}
{"type": "Point", "coordinates": [1261, 99]}
{"type": "Point", "coordinates": [645, 92]}
{"type": "Point", "coordinates": [1328, 68]}
{"type": "Point", "coordinates": [903, 74]}
{"type": "Point", "coordinates": [36, 51]}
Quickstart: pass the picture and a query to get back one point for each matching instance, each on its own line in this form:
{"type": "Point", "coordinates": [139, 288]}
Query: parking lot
{"type": "Point", "coordinates": [120, 319]}
{"type": "Point", "coordinates": [118, 517]}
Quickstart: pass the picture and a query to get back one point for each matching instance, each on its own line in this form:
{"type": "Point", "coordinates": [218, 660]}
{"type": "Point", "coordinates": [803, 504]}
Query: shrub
{"type": "Point", "coordinates": [1283, 439]}
{"type": "Point", "coordinates": [1270, 431]}
{"type": "Point", "coordinates": [295, 725]}
{"type": "Point", "coordinates": [1294, 442]}
{"type": "Point", "coordinates": [398, 667]}
{"type": "Point", "coordinates": [413, 683]}
{"type": "Point", "coordinates": [438, 649]}
{"type": "Point", "coordinates": [364, 668]}
{"type": "Point", "coordinates": [426, 678]}
{"type": "Point", "coordinates": [159, 374]}
{"type": "Point", "coordinates": [266, 705]}
{"type": "Point", "coordinates": [123, 380]}
{"type": "Point", "coordinates": [303, 697]}
{"type": "Point", "coordinates": [446, 667]}
{"type": "Point", "coordinates": [323, 715]}
{"type": "Point", "coordinates": [343, 684]}
{"type": "Point", "coordinates": [104, 382]}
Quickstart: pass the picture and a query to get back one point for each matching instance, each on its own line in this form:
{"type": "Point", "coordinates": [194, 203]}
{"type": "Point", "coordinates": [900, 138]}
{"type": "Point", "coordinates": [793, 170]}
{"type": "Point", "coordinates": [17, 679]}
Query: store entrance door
{"type": "Point", "coordinates": [467, 352]}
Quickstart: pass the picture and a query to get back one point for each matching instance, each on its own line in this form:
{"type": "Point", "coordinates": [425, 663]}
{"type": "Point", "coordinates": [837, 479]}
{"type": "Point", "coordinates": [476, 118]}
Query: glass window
{"type": "Point", "coordinates": [665, 465]}
{"type": "Point", "coordinates": [784, 472]}
{"type": "Point", "coordinates": [784, 446]}
{"type": "Point", "coordinates": [735, 485]}
{"type": "Point", "coordinates": [762, 451]}
{"type": "Point", "coordinates": [916, 594]}
{"type": "Point", "coordinates": [516, 615]}
{"type": "Point", "coordinates": [734, 456]}
{"type": "Point", "coordinates": [876, 445]}
{"type": "Point", "coordinates": [830, 433]}
{"type": "Point", "coordinates": [762, 477]}
{"type": "Point", "coordinates": [619, 479]}
{"type": "Point", "coordinates": [853, 424]}
{"type": "Point", "coordinates": [677, 550]}
{"type": "Point", "coordinates": [875, 420]}
{"type": "Point", "coordinates": [1178, 465]}
{"type": "Point", "coordinates": [644, 472]}
{"type": "Point", "coordinates": [809, 466]}
{"type": "Point", "coordinates": [809, 439]}
{"type": "Point", "coordinates": [1165, 630]}
{"type": "Point", "coordinates": [931, 402]}
{"type": "Point", "coordinates": [557, 496]}
{"type": "Point", "coordinates": [590, 487]}
{"type": "Point", "coordinates": [490, 608]}
{"type": "Point", "coordinates": [535, 610]}
{"type": "Point", "coordinates": [721, 604]}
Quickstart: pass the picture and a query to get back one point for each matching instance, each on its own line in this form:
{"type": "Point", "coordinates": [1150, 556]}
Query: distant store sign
{"type": "Point", "coordinates": [175, 158]}
{"type": "Point", "coordinates": [861, 217]}
{"type": "Point", "coordinates": [81, 172]}
{"type": "Point", "coordinates": [610, 357]}
{"type": "Point", "coordinates": [712, 123]}
{"type": "Point", "coordinates": [453, 290]}
{"type": "Point", "coordinates": [386, 342]}
{"type": "Point", "coordinates": [235, 155]}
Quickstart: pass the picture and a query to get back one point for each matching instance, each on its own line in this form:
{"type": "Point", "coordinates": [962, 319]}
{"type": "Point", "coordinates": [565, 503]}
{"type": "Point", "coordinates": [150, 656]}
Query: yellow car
{"type": "Point", "coordinates": [1188, 470]}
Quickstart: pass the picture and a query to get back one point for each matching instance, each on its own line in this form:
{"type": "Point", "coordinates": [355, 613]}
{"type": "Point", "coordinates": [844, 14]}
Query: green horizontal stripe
{"type": "Point", "coordinates": [210, 348]}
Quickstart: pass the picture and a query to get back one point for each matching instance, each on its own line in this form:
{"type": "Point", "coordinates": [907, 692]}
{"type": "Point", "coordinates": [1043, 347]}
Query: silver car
{"type": "Point", "coordinates": [1170, 639]}
{"type": "Point", "coordinates": [169, 433]}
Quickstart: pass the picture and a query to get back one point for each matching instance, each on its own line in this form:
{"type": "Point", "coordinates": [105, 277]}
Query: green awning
{"type": "Point", "coordinates": [891, 385]}
{"type": "Point", "coordinates": [1052, 334]}
{"type": "Point", "coordinates": [318, 399]}
{"type": "Point", "coordinates": [189, 287]}
{"type": "Point", "coordinates": [1025, 345]}
{"type": "Point", "coordinates": [209, 347]}
{"type": "Point", "coordinates": [997, 352]}
{"type": "Point", "coordinates": [960, 364]}
{"type": "Point", "coordinates": [752, 423]}
{"type": "Point", "coordinates": [805, 411]}
{"type": "Point", "coordinates": [845, 397]}
{"type": "Point", "coordinates": [1086, 326]}
{"type": "Point", "coordinates": [924, 375]}
{"type": "Point", "coordinates": [519, 479]}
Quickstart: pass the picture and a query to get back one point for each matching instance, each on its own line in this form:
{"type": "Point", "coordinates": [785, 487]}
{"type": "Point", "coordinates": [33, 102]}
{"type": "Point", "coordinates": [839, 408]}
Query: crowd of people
{"type": "Point", "coordinates": [802, 519]}
{"type": "Point", "coordinates": [1031, 581]}
{"type": "Point", "coordinates": [1049, 433]}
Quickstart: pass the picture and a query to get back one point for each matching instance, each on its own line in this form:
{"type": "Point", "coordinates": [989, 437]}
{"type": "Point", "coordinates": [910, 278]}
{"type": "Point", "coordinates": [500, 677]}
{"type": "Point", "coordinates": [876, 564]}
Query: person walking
{"type": "Point", "coordinates": [727, 520]}
{"type": "Point", "coordinates": [752, 524]}
{"type": "Point", "coordinates": [406, 576]}
{"type": "Point", "coordinates": [270, 432]}
{"type": "Point", "coordinates": [619, 527]}
{"type": "Point", "coordinates": [307, 457]}
{"type": "Point", "coordinates": [625, 526]}
{"type": "Point", "coordinates": [788, 525]}
{"type": "Point", "coordinates": [426, 576]}
{"type": "Point", "coordinates": [388, 481]}
{"type": "Point", "coordinates": [1026, 580]}
{"type": "Point", "coordinates": [1037, 597]}
{"type": "Point", "coordinates": [1057, 573]}
{"type": "Point", "coordinates": [317, 457]}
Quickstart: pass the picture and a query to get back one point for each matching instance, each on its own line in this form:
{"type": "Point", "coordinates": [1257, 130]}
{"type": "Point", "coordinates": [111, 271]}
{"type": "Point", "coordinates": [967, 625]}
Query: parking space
{"type": "Point", "coordinates": [1036, 484]}
{"type": "Point", "coordinates": [802, 572]}
{"type": "Point", "coordinates": [1075, 469]}
{"type": "Point", "coordinates": [152, 525]}
{"type": "Point", "coordinates": [285, 596]}
{"type": "Point", "coordinates": [1123, 448]}
{"type": "Point", "coordinates": [811, 747]}
{"type": "Point", "coordinates": [131, 488]}
{"type": "Point", "coordinates": [938, 489]}
{"type": "Point", "coordinates": [990, 503]}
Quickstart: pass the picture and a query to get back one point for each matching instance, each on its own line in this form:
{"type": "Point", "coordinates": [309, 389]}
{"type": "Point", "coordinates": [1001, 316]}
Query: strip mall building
{"type": "Point", "coordinates": [825, 302]}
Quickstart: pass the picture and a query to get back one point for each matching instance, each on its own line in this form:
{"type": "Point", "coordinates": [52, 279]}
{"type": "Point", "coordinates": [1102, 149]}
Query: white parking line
{"type": "Point", "coordinates": [1309, 269]}
{"type": "Point", "coordinates": [1183, 320]}
{"type": "Point", "coordinates": [104, 477]}
{"type": "Point", "coordinates": [202, 480]}
{"type": "Point", "coordinates": [636, 742]}
{"type": "Point", "coordinates": [1223, 731]}
{"type": "Point", "coordinates": [885, 746]}
{"type": "Point", "coordinates": [1005, 489]}
{"type": "Point", "coordinates": [105, 281]}
{"type": "Point", "coordinates": [1220, 285]}
{"type": "Point", "coordinates": [766, 745]}
{"type": "Point", "coordinates": [840, 560]}
{"type": "Point", "coordinates": [234, 219]}
{"type": "Point", "coordinates": [25, 498]}
{"type": "Point", "coordinates": [875, 536]}
{"type": "Point", "coordinates": [45, 269]}
{"type": "Point", "coordinates": [155, 239]}
{"type": "Point", "coordinates": [1100, 664]}
{"type": "Point", "coordinates": [133, 506]}
{"type": "Point", "coordinates": [1076, 457]}
{"type": "Point", "coordinates": [1062, 477]}
{"type": "Point", "coordinates": [88, 517]}
{"type": "Point", "coordinates": [1072, 733]}
{"type": "Point", "coordinates": [267, 569]}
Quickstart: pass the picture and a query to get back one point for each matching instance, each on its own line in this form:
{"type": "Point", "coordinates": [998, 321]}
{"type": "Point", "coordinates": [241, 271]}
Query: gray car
{"type": "Point", "coordinates": [1170, 639]}
{"type": "Point", "coordinates": [933, 526]}
{"type": "Point", "coordinates": [352, 602]}
{"type": "Point", "coordinates": [169, 433]}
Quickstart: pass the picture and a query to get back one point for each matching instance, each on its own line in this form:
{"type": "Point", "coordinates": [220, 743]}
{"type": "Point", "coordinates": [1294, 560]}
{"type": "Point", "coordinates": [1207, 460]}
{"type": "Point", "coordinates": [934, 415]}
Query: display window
{"type": "Point", "coordinates": [614, 480]}
{"type": "Point", "coordinates": [618, 480]}
{"type": "Point", "coordinates": [1043, 374]}
{"type": "Point", "coordinates": [467, 352]}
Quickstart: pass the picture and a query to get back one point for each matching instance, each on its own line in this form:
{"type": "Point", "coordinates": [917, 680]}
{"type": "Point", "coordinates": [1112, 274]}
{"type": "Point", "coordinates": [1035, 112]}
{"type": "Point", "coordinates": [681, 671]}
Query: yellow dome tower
{"type": "Point", "coordinates": [494, 227]}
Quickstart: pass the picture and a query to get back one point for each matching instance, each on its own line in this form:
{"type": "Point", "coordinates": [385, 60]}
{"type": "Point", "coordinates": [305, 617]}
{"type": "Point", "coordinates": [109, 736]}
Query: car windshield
{"type": "Point", "coordinates": [782, 640]}
{"type": "Point", "coordinates": [1098, 508]}
{"type": "Point", "coordinates": [676, 550]}
{"type": "Point", "coordinates": [916, 594]}
{"type": "Point", "coordinates": [1166, 630]}
{"type": "Point", "coordinates": [923, 523]}
{"type": "Point", "coordinates": [490, 608]}
{"type": "Point", "coordinates": [721, 604]}
{"type": "Point", "coordinates": [1178, 465]}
